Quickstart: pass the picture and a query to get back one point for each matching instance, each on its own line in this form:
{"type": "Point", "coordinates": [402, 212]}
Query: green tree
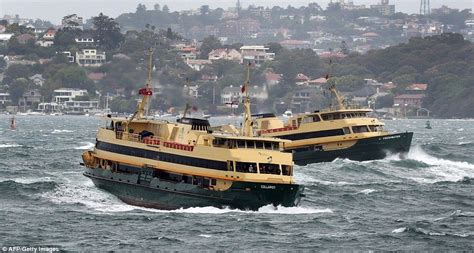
{"type": "Point", "coordinates": [17, 88]}
{"type": "Point", "coordinates": [208, 44]}
{"type": "Point", "coordinates": [107, 32]}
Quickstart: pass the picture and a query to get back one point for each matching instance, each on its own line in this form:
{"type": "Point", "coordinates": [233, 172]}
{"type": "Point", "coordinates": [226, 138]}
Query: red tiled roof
{"type": "Point", "coordinates": [301, 77]}
{"type": "Point", "coordinates": [410, 96]}
{"type": "Point", "coordinates": [320, 80]}
{"type": "Point", "coordinates": [417, 86]}
{"type": "Point", "coordinates": [272, 77]}
{"type": "Point", "coordinates": [96, 76]}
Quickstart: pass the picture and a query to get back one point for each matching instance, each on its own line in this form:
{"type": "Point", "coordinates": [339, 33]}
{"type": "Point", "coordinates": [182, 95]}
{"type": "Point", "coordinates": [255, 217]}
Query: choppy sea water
{"type": "Point", "coordinates": [419, 202]}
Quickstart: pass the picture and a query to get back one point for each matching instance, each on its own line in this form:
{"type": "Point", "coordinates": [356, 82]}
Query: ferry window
{"type": "Point", "coordinates": [197, 180]}
{"type": "Point", "coordinates": [268, 145]}
{"type": "Point", "coordinates": [218, 142]}
{"type": "Point", "coordinates": [213, 181]}
{"type": "Point", "coordinates": [250, 144]}
{"type": "Point", "coordinates": [268, 168]}
{"type": "Point", "coordinates": [346, 130]}
{"type": "Point", "coordinates": [316, 118]}
{"type": "Point", "coordinates": [276, 146]}
{"type": "Point", "coordinates": [206, 182]}
{"type": "Point", "coordinates": [246, 167]}
{"type": "Point", "coordinates": [187, 179]}
{"type": "Point", "coordinates": [287, 170]}
{"type": "Point", "coordinates": [294, 123]}
{"type": "Point", "coordinates": [360, 129]}
{"type": "Point", "coordinates": [337, 116]}
{"type": "Point", "coordinates": [240, 143]}
{"type": "Point", "coordinates": [308, 120]}
{"type": "Point", "coordinates": [259, 144]}
{"type": "Point", "coordinates": [230, 165]}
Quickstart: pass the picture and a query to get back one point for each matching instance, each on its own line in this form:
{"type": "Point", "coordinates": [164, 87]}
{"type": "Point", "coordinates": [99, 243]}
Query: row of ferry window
{"type": "Point", "coordinates": [362, 129]}
{"type": "Point", "coordinates": [230, 143]}
{"type": "Point", "coordinates": [243, 167]}
{"type": "Point", "coordinates": [148, 174]}
{"type": "Point", "coordinates": [261, 168]}
{"type": "Point", "coordinates": [332, 116]}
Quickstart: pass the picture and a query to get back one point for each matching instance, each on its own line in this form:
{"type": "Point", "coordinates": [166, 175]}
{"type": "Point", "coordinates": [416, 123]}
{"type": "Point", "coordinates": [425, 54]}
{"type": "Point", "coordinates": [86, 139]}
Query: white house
{"type": "Point", "coordinates": [67, 94]}
{"type": "Point", "coordinates": [85, 41]}
{"type": "Point", "coordinates": [70, 57]}
{"type": "Point", "coordinates": [37, 79]}
{"type": "Point", "coordinates": [80, 107]}
{"type": "Point", "coordinates": [232, 95]}
{"type": "Point", "coordinates": [5, 98]}
{"type": "Point", "coordinates": [197, 64]}
{"type": "Point", "coordinates": [225, 54]}
{"type": "Point", "coordinates": [5, 37]}
{"type": "Point", "coordinates": [72, 21]}
{"type": "Point", "coordinates": [90, 58]}
{"type": "Point", "coordinates": [256, 54]}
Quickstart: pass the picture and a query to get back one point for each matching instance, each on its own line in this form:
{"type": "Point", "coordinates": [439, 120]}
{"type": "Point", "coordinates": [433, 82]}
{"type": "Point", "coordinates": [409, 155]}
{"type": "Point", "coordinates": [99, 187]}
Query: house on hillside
{"type": "Point", "coordinates": [90, 58]}
{"type": "Point", "coordinates": [225, 54]}
{"type": "Point", "coordinates": [85, 41]}
{"type": "Point", "coordinates": [271, 78]}
{"type": "Point", "coordinates": [301, 79]}
{"type": "Point", "coordinates": [72, 21]}
{"type": "Point", "coordinates": [48, 38]}
{"type": "Point", "coordinates": [62, 95]}
{"type": "Point", "coordinates": [96, 76]}
{"type": "Point", "coordinates": [198, 64]}
{"type": "Point", "coordinates": [24, 38]}
{"type": "Point", "coordinates": [29, 98]}
{"type": "Point", "coordinates": [408, 100]}
{"type": "Point", "coordinates": [256, 54]}
{"type": "Point", "coordinates": [296, 44]}
{"type": "Point", "coordinates": [5, 99]}
{"type": "Point", "coordinates": [416, 88]}
{"type": "Point", "coordinates": [233, 94]}
{"type": "Point", "coordinates": [37, 79]}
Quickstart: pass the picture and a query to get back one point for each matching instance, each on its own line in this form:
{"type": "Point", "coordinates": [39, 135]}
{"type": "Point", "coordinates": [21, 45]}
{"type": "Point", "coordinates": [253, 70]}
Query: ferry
{"type": "Point", "coordinates": [341, 131]}
{"type": "Point", "coordinates": [170, 165]}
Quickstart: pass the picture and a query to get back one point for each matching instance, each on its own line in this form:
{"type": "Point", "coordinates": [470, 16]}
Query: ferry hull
{"type": "Point", "coordinates": [167, 195]}
{"type": "Point", "coordinates": [366, 149]}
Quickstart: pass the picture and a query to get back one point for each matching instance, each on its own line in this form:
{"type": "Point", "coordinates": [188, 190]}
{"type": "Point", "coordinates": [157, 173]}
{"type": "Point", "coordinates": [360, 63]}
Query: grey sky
{"type": "Point", "coordinates": [53, 10]}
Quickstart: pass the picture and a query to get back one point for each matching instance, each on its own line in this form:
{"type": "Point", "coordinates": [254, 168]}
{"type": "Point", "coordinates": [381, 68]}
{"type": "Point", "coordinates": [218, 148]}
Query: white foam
{"type": "Point", "coordinates": [439, 169]}
{"type": "Point", "coordinates": [399, 230]}
{"type": "Point", "coordinates": [460, 129]}
{"type": "Point", "coordinates": [205, 236]}
{"type": "Point", "coordinates": [464, 142]}
{"type": "Point", "coordinates": [56, 131]}
{"type": "Point", "coordinates": [87, 195]}
{"type": "Point", "coordinates": [268, 209]}
{"type": "Point", "coordinates": [25, 180]}
{"type": "Point", "coordinates": [88, 145]}
{"type": "Point", "coordinates": [8, 145]}
{"type": "Point", "coordinates": [367, 191]}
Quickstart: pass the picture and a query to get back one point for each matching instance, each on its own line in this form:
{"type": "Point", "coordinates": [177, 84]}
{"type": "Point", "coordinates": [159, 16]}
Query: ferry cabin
{"type": "Point", "coordinates": [329, 127]}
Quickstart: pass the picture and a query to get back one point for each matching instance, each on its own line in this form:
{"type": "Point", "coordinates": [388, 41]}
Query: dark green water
{"type": "Point", "coordinates": [424, 201]}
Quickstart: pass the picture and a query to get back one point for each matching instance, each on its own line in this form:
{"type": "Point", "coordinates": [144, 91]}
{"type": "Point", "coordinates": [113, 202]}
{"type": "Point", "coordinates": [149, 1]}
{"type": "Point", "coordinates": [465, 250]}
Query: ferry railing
{"type": "Point", "coordinates": [345, 107]}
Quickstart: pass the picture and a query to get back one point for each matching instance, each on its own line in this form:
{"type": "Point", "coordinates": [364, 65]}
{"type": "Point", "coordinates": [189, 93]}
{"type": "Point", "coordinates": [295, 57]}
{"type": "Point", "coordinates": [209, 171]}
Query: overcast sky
{"type": "Point", "coordinates": [53, 10]}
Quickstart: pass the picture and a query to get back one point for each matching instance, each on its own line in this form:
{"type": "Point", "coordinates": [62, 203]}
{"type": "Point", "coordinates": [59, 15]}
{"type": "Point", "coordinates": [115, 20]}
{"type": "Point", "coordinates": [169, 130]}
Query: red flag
{"type": "Point", "coordinates": [243, 88]}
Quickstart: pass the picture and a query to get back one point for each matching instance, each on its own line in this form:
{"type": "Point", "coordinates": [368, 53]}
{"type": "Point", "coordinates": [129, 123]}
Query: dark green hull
{"type": "Point", "coordinates": [366, 149]}
{"type": "Point", "coordinates": [163, 194]}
